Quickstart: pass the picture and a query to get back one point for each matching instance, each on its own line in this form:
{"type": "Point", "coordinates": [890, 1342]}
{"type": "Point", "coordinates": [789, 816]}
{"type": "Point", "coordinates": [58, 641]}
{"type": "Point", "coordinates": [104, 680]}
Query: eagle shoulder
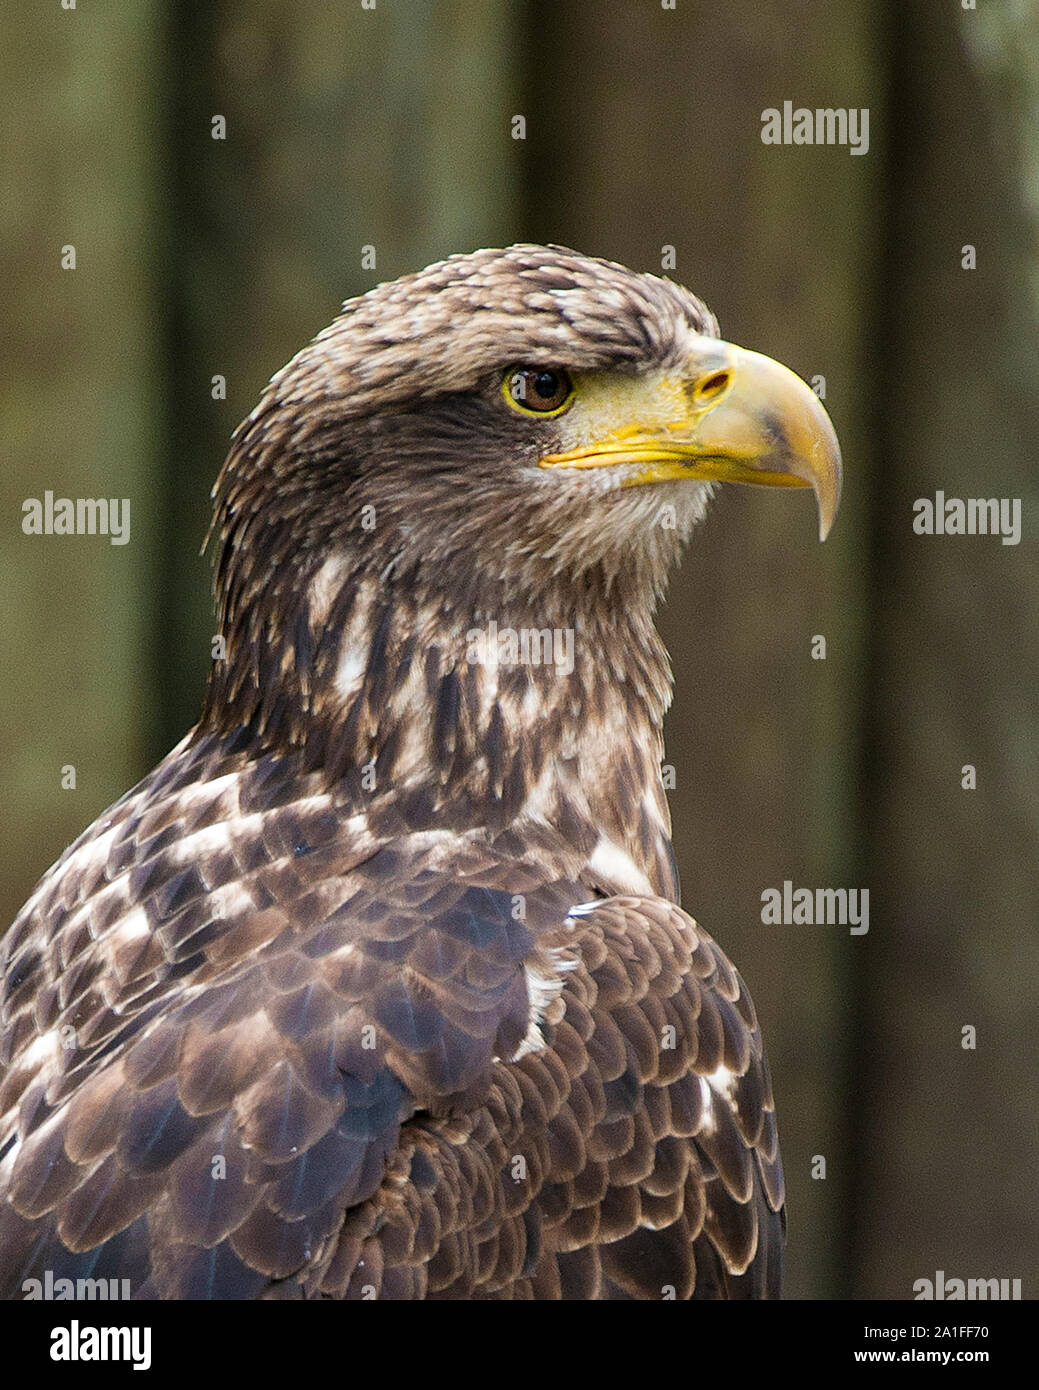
{"type": "Point", "coordinates": [250, 1050]}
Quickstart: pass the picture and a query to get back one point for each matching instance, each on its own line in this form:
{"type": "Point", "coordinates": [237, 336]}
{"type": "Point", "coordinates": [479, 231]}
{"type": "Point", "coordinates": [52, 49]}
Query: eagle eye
{"type": "Point", "coordinates": [538, 390]}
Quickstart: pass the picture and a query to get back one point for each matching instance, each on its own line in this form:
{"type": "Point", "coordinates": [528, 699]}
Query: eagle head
{"type": "Point", "coordinates": [526, 436]}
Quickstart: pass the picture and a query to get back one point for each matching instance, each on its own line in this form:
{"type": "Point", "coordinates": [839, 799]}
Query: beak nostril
{"type": "Point", "coordinates": [713, 386]}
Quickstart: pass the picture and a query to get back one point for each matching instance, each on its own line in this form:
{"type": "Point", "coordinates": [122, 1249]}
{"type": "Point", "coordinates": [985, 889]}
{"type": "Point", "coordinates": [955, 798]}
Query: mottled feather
{"type": "Point", "coordinates": [377, 985]}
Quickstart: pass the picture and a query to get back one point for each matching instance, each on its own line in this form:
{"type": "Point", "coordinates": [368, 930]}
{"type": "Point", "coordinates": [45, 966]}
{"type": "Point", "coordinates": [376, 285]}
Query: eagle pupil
{"type": "Point", "coordinates": [538, 389]}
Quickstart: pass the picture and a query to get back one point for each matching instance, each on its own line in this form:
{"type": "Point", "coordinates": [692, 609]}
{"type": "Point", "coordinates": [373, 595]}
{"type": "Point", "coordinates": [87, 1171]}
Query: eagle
{"type": "Point", "coordinates": [378, 985]}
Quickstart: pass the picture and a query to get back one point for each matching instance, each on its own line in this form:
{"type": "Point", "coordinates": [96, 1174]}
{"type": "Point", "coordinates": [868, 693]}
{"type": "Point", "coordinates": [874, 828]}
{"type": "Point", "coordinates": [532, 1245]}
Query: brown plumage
{"type": "Point", "coordinates": [377, 985]}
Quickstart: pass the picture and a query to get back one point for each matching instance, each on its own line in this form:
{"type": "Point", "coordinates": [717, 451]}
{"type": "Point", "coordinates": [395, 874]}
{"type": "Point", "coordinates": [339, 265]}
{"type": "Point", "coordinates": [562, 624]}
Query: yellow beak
{"type": "Point", "coordinates": [747, 419]}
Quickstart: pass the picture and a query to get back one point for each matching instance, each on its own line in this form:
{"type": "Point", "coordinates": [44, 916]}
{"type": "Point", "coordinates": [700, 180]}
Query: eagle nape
{"type": "Point", "coordinates": [377, 986]}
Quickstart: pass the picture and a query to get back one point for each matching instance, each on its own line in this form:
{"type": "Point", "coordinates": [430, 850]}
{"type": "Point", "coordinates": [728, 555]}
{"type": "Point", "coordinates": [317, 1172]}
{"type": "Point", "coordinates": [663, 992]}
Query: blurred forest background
{"type": "Point", "coordinates": [392, 127]}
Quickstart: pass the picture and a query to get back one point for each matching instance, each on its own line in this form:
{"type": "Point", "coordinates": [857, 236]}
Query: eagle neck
{"type": "Point", "coordinates": [477, 708]}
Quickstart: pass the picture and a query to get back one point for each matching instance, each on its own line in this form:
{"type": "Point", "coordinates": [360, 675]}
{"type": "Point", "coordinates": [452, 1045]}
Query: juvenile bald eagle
{"type": "Point", "coordinates": [378, 986]}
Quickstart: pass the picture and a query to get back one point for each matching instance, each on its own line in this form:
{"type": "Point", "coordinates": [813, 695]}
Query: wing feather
{"type": "Point", "coordinates": [252, 1052]}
